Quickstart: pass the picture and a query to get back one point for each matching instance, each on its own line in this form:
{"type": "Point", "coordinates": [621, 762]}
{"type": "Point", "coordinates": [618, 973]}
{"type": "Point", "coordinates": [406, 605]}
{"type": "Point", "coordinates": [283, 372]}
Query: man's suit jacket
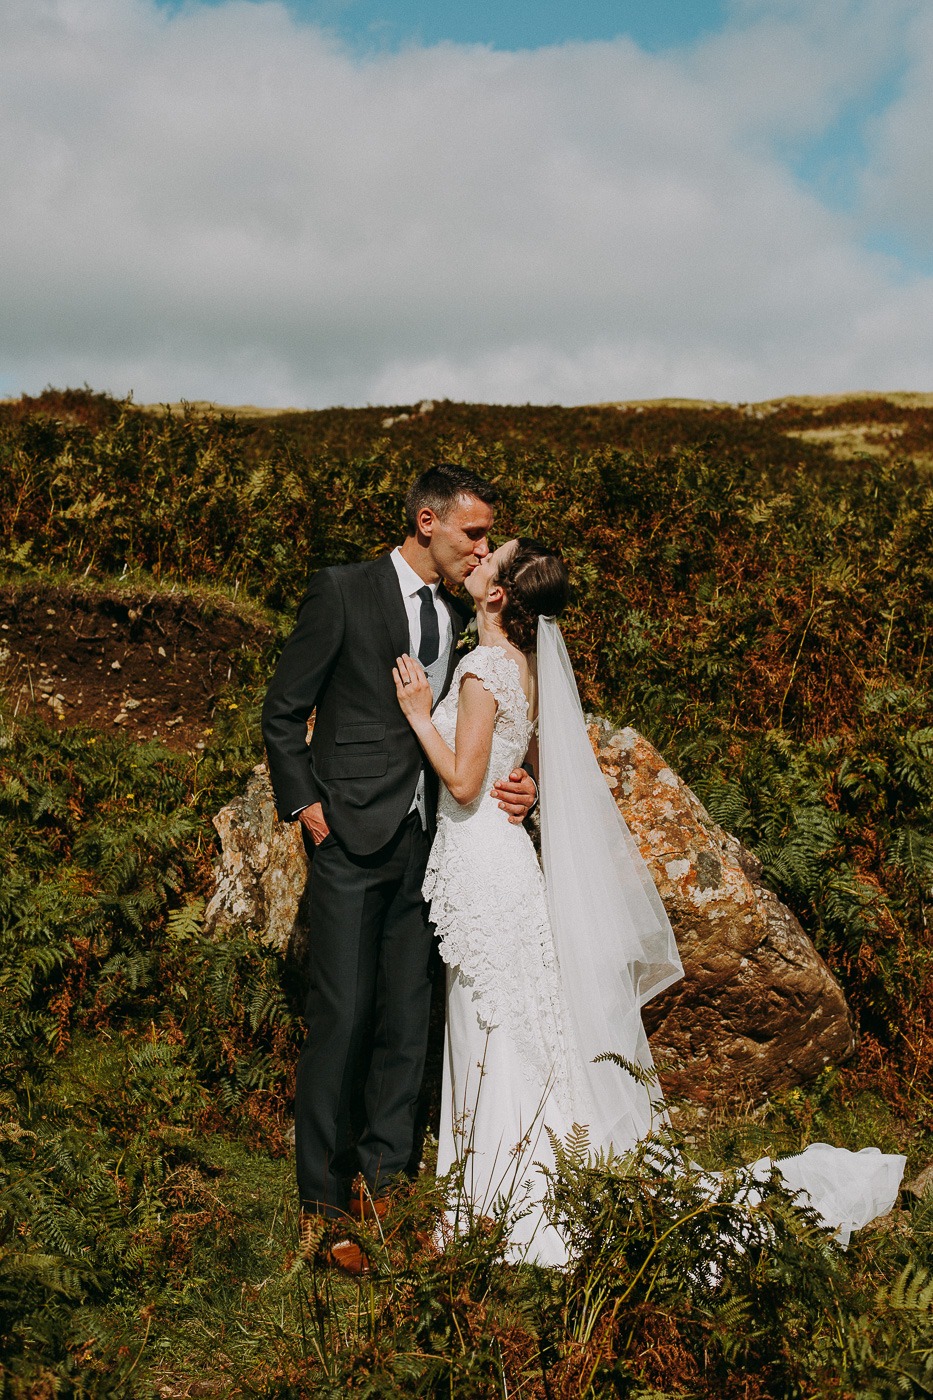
{"type": "Point", "coordinates": [363, 760]}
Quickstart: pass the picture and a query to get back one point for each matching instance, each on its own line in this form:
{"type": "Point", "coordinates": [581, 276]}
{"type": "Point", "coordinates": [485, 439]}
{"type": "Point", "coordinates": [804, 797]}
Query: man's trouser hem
{"type": "Point", "coordinates": [325, 1208]}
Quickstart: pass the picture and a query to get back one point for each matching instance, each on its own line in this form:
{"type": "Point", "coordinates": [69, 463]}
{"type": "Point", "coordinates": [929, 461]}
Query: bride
{"type": "Point", "coordinates": [549, 969]}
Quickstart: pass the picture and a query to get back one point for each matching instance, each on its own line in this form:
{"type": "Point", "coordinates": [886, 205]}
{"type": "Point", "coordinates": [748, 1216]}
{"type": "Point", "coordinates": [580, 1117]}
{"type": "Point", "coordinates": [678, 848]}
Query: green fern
{"type": "Point", "coordinates": [187, 921]}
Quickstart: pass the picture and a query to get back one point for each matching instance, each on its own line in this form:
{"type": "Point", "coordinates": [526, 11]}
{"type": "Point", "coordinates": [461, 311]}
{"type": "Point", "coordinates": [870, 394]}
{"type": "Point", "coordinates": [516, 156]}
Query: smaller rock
{"type": "Point", "coordinates": [262, 869]}
{"type": "Point", "coordinates": [922, 1182]}
{"type": "Point", "coordinates": [131, 704]}
{"type": "Point", "coordinates": [115, 666]}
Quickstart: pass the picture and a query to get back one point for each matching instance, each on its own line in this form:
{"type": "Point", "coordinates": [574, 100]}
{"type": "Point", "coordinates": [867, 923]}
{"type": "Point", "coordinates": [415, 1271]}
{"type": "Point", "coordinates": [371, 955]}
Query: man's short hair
{"type": "Point", "coordinates": [440, 488]}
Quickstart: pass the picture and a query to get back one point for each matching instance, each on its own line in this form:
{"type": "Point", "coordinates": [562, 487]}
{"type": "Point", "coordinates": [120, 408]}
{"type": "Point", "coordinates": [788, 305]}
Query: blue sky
{"type": "Point", "coordinates": [352, 201]}
{"type": "Point", "coordinates": [512, 24]}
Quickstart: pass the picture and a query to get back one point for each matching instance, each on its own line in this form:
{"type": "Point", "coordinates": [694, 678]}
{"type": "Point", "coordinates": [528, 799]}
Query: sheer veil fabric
{"type": "Point", "coordinates": [614, 942]}
{"type": "Point", "coordinates": [616, 949]}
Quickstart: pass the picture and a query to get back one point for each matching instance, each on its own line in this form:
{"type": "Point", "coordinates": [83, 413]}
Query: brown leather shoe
{"type": "Point", "coordinates": [364, 1207]}
{"type": "Point", "coordinates": [343, 1255]}
{"type": "Point", "coordinates": [347, 1256]}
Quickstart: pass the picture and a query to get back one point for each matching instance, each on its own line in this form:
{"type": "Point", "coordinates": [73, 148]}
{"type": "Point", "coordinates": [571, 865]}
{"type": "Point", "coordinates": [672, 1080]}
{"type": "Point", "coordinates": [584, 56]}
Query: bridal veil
{"type": "Point", "coordinates": [616, 949]}
{"type": "Point", "coordinates": [614, 942]}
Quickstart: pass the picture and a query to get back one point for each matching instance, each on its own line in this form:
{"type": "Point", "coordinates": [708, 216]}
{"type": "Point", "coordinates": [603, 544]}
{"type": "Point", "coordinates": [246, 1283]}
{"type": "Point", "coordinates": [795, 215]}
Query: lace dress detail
{"type": "Point", "coordinates": [487, 893]}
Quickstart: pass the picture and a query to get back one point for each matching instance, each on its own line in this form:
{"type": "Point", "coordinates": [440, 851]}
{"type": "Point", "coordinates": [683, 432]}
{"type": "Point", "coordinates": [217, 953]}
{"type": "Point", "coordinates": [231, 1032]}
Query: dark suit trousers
{"type": "Point", "coordinates": [368, 1008]}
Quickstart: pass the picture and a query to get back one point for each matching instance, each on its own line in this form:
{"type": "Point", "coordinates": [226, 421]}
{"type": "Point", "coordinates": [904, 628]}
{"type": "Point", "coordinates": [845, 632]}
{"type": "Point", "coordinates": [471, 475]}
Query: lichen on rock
{"type": "Point", "coordinates": [757, 1009]}
{"type": "Point", "coordinates": [262, 870]}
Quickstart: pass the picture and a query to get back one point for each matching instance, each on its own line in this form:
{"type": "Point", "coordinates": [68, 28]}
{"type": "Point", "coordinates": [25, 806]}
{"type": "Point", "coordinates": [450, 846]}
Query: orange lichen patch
{"type": "Point", "coordinates": [754, 986]}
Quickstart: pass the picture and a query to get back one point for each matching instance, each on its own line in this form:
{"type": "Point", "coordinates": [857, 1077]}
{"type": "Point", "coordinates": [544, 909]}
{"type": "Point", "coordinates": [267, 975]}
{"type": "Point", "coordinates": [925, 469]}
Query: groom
{"type": "Point", "coordinates": [366, 801]}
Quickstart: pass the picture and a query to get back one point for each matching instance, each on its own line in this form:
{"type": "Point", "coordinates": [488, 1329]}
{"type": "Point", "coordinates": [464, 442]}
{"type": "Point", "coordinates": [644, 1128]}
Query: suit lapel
{"type": "Point", "coordinates": [384, 582]}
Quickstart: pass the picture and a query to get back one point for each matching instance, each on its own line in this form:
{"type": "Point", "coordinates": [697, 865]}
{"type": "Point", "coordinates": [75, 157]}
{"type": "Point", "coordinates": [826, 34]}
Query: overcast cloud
{"type": "Point", "coordinates": [226, 204]}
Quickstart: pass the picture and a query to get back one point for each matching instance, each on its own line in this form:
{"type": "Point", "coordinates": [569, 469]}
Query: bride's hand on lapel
{"type": "Point", "coordinates": [413, 689]}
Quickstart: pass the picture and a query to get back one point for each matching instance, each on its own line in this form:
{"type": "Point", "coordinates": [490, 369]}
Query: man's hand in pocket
{"type": "Point", "coordinates": [312, 819]}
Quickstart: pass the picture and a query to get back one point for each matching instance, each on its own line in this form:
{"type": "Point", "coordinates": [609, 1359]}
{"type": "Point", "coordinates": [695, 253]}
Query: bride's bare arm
{"type": "Point", "coordinates": [462, 772]}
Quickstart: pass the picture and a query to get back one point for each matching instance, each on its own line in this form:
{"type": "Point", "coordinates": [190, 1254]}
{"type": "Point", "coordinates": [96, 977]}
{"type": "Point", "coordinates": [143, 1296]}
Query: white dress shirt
{"type": "Point", "coordinates": [410, 583]}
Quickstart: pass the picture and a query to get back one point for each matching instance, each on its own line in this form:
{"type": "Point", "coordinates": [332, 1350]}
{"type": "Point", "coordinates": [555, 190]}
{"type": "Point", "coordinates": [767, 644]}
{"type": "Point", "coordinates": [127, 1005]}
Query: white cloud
{"type": "Point", "coordinates": [785, 70]}
{"type": "Point", "coordinates": [898, 184]}
{"type": "Point", "coordinates": [225, 204]}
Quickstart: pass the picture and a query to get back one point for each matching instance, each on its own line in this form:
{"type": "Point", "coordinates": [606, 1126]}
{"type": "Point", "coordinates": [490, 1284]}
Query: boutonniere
{"type": "Point", "coordinates": [467, 639]}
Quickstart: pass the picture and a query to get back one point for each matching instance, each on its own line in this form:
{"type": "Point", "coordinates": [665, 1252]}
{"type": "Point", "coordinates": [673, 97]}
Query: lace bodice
{"type": "Point", "coordinates": [512, 733]}
{"type": "Point", "coordinates": [486, 889]}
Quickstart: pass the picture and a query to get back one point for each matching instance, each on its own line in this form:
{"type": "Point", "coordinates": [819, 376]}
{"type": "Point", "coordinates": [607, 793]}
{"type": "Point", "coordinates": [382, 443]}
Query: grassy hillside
{"type": "Point", "coordinates": [753, 589]}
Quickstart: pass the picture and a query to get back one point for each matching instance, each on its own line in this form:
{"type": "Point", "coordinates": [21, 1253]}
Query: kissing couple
{"type": "Point", "coordinates": [411, 796]}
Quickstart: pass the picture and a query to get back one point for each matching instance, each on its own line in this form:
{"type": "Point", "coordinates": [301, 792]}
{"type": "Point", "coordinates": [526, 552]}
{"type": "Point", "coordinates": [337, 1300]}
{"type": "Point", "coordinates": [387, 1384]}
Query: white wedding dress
{"type": "Point", "coordinates": [541, 979]}
{"type": "Point", "coordinates": [507, 1063]}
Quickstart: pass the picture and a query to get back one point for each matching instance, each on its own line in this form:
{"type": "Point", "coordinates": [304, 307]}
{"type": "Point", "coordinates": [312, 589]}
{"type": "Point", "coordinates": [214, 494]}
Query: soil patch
{"type": "Point", "coordinates": [151, 663]}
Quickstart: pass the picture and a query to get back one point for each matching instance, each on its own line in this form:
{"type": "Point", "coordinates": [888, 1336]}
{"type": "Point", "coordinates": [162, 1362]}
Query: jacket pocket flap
{"type": "Point", "coordinates": [360, 733]}
{"type": "Point", "coordinates": [354, 765]}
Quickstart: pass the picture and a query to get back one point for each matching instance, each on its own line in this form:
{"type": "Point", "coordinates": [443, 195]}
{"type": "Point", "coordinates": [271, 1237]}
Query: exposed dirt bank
{"type": "Point", "coordinates": [153, 663]}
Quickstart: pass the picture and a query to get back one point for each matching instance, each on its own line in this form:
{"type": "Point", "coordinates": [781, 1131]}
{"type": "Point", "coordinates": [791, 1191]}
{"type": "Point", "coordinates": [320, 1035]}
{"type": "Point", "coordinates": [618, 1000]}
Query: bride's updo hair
{"type": "Point", "coordinates": [535, 582]}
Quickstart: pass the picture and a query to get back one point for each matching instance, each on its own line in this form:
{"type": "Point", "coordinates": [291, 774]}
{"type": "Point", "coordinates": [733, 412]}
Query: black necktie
{"type": "Point", "coordinates": [430, 632]}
